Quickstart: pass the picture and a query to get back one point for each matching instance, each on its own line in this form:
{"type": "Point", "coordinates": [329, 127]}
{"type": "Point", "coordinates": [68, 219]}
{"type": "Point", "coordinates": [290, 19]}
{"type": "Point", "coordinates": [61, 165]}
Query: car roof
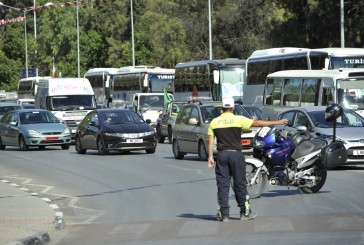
{"type": "Point", "coordinates": [112, 109]}
{"type": "Point", "coordinates": [308, 109]}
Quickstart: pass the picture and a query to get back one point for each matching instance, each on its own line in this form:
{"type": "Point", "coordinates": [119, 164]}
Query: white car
{"type": "Point", "coordinates": [349, 128]}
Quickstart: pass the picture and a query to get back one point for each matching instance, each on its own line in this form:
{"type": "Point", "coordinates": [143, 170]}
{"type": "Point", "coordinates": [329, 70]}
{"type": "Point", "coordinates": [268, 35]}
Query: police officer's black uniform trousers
{"type": "Point", "coordinates": [230, 163]}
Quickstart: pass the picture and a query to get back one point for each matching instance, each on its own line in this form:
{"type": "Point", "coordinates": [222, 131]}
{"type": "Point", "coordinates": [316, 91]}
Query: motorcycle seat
{"type": "Point", "coordinates": [306, 147]}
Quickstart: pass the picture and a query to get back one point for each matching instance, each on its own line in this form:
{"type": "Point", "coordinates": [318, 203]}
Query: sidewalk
{"type": "Point", "coordinates": [25, 218]}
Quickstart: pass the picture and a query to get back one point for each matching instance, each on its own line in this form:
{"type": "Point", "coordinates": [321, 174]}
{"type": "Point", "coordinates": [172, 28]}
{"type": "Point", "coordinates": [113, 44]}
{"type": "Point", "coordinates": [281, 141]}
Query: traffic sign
{"type": "Point", "coordinates": [32, 72]}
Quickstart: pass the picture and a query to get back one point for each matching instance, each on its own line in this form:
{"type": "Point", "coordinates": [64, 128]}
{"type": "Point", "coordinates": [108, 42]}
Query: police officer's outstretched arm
{"type": "Point", "coordinates": [263, 123]}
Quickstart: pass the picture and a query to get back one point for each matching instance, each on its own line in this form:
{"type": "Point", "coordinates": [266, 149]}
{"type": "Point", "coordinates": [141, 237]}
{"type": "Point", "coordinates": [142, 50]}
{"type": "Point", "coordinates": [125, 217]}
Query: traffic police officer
{"type": "Point", "coordinates": [230, 161]}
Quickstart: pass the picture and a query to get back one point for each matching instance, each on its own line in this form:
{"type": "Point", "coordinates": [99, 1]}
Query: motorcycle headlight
{"type": "Point", "coordinates": [258, 143]}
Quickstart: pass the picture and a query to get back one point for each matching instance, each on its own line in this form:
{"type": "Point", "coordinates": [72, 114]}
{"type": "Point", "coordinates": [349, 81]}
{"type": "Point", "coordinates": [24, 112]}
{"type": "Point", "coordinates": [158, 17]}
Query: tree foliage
{"type": "Point", "coordinates": [166, 32]}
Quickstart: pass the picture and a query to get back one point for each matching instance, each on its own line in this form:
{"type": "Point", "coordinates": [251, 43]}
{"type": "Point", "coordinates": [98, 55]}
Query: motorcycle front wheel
{"type": "Point", "coordinates": [257, 188]}
{"type": "Point", "coordinates": [320, 173]}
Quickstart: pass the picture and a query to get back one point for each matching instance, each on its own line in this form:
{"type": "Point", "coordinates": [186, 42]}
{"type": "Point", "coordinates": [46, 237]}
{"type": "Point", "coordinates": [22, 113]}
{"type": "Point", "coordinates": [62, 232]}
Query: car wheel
{"type": "Point", "coordinates": [202, 151]}
{"type": "Point", "coordinates": [65, 146]}
{"type": "Point", "coordinates": [177, 154]}
{"type": "Point", "coordinates": [2, 147]}
{"type": "Point", "coordinates": [41, 147]}
{"type": "Point", "coordinates": [170, 135]}
{"type": "Point", "coordinates": [101, 146]}
{"type": "Point", "coordinates": [78, 147]}
{"type": "Point", "coordinates": [150, 151]}
{"type": "Point", "coordinates": [23, 146]}
{"type": "Point", "coordinates": [160, 138]}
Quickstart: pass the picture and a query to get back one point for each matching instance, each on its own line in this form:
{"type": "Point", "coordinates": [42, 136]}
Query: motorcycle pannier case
{"type": "Point", "coordinates": [334, 155]}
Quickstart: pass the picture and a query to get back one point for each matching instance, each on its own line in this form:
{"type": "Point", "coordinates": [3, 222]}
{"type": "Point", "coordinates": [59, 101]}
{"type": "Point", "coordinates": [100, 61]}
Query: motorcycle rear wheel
{"type": "Point", "coordinates": [321, 174]}
{"type": "Point", "coordinates": [260, 183]}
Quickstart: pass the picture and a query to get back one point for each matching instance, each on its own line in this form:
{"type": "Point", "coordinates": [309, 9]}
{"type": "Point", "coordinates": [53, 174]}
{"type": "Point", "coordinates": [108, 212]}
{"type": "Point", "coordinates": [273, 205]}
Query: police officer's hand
{"type": "Point", "coordinates": [211, 162]}
{"type": "Point", "coordinates": [283, 121]}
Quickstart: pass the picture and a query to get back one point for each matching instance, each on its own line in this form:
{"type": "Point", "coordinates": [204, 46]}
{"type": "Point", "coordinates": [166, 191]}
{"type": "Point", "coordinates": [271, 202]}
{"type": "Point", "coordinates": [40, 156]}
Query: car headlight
{"type": "Point", "coordinates": [33, 132]}
{"type": "Point", "coordinates": [130, 135]}
{"type": "Point", "coordinates": [66, 131]}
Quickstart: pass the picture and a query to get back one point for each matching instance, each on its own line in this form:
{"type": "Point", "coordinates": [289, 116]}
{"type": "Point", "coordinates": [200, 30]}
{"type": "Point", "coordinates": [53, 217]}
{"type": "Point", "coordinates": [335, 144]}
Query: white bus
{"type": "Point", "coordinates": [139, 79]}
{"type": "Point", "coordinates": [27, 88]}
{"type": "Point", "coordinates": [263, 62]}
{"type": "Point", "coordinates": [100, 82]}
{"type": "Point", "coordinates": [209, 80]}
{"type": "Point", "coordinates": [296, 88]}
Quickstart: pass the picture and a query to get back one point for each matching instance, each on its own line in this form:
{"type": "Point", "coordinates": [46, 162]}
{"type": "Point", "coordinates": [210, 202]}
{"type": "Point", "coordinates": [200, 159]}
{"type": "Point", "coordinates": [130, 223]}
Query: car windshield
{"type": "Point", "coordinates": [35, 117]}
{"type": "Point", "coordinates": [151, 101]}
{"type": "Point", "coordinates": [348, 119]}
{"type": "Point", "coordinates": [120, 117]}
{"type": "Point", "coordinates": [5, 109]}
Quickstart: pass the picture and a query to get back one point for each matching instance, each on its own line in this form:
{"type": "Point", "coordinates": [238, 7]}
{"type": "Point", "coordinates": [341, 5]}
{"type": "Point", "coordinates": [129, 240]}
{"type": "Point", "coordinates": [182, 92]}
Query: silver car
{"type": "Point", "coordinates": [167, 119]}
{"type": "Point", "coordinates": [349, 128]}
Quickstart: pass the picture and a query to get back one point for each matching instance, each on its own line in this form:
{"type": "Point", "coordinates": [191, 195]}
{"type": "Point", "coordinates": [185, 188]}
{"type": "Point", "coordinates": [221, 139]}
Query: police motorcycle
{"type": "Point", "coordinates": [294, 160]}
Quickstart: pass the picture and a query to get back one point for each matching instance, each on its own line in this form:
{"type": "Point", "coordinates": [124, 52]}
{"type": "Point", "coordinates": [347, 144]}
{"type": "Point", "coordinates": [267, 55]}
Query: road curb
{"type": "Point", "coordinates": [41, 237]}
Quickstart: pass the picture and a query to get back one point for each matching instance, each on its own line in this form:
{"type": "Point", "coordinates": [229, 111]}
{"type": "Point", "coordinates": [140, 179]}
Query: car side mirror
{"type": "Point", "coordinates": [148, 121]}
{"type": "Point", "coordinates": [193, 121]}
{"type": "Point", "coordinates": [93, 123]}
{"type": "Point", "coordinates": [13, 123]}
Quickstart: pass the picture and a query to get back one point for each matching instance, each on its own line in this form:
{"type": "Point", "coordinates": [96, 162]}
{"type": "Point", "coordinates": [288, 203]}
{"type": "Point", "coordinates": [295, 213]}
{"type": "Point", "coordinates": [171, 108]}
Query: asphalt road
{"type": "Point", "coordinates": [140, 198]}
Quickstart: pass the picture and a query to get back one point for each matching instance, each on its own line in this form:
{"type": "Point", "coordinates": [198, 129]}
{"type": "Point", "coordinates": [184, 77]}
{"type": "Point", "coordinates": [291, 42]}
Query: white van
{"type": "Point", "coordinates": [69, 99]}
{"type": "Point", "coordinates": [149, 106]}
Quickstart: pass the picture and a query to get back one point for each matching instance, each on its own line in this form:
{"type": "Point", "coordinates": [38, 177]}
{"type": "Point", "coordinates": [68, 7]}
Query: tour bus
{"type": "Point", "coordinates": [297, 88]}
{"type": "Point", "coordinates": [100, 81]}
{"type": "Point", "coordinates": [69, 99]}
{"type": "Point", "coordinates": [209, 80]}
{"type": "Point", "coordinates": [139, 79]}
{"type": "Point", "coordinates": [263, 62]}
{"type": "Point", "coordinates": [27, 88]}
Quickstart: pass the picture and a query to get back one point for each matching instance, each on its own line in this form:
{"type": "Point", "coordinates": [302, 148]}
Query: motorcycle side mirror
{"type": "Point", "coordinates": [290, 123]}
{"type": "Point", "coordinates": [301, 128]}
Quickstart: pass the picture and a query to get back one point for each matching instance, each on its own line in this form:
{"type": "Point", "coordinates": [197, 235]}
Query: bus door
{"type": "Point", "coordinates": [327, 92]}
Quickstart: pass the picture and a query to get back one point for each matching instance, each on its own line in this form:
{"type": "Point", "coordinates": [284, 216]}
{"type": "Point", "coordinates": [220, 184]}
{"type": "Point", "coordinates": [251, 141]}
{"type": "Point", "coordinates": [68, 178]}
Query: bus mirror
{"type": "Point", "coordinates": [327, 62]}
{"type": "Point", "coordinates": [327, 83]}
{"type": "Point", "coordinates": [145, 82]}
{"type": "Point", "coordinates": [216, 76]}
{"type": "Point", "coordinates": [107, 82]}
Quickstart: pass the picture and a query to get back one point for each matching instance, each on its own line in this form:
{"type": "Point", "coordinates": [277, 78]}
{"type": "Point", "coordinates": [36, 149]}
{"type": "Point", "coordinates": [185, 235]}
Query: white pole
{"type": "Point", "coordinates": [132, 31]}
{"type": "Point", "coordinates": [26, 44]}
{"type": "Point", "coordinates": [342, 23]}
{"type": "Point", "coordinates": [210, 31]}
{"type": "Point", "coordinates": [35, 21]}
{"type": "Point", "coordinates": [78, 42]}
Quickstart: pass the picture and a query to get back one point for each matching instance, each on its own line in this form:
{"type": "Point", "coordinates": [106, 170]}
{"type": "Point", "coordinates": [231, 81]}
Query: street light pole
{"type": "Point", "coordinates": [210, 31]}
{"type": "Point", "coordinates": [26, 44]}
{"type": "Point", "coordinates": [342, 23]}
{"type": "Point", "coordinates": [78, 42]}
{"type": "Point", "coordinates": [132, 31]}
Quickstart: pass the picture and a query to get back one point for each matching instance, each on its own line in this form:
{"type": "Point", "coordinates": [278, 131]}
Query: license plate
{"type": "Point", "coordinates": [358, 152]}
{"type": "Point", "coordinates": [52, 138]}
{"type": "Point", "coordinates": [245, 142]}
{"type": "Point", "coordinates": [134, 141]}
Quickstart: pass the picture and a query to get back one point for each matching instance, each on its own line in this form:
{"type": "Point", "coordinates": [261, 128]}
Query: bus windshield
{"type": "Point", "coordinates": [232, 82]}
{"type": "Point", "coordinates": [351, 93]}
{"type": "Point", "coordinates": [159, 82]}
{"type": "Point", "coordinates": [347, 62]}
